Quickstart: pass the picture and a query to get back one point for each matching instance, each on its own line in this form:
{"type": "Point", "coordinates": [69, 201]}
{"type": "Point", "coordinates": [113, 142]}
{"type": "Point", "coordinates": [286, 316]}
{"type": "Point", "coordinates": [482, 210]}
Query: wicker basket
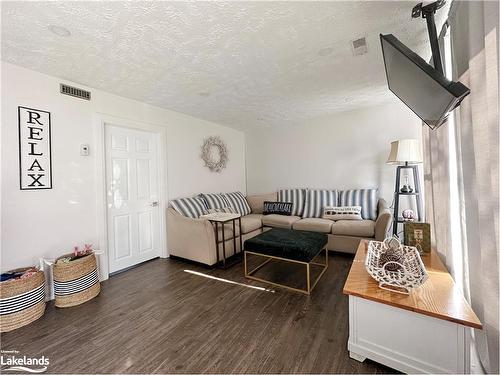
{"type": "Point", "coordinates": [22, 301]}
{"type": "Point", "coordinates": [75, 282]}
{"type": "Point", "coordinates": [410, 272]}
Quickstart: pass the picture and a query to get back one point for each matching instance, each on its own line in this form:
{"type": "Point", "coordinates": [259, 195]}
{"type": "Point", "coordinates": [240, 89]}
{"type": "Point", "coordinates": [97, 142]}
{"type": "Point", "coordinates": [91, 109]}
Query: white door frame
{"type": "Point", "coordinates": [100, 121]}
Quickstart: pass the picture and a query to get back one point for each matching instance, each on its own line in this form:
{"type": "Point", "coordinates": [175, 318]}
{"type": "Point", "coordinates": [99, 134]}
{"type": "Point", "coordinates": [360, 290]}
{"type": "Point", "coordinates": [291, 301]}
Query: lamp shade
{"type": "Point", "coordinates": [405, 151]}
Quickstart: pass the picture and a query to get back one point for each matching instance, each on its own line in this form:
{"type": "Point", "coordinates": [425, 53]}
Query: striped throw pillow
{"type": "Point", "coordinates": [366, 198]}
{"type": "Point", "coordinates": [296, 196]}
{"type": "Point", "coordinates": [189, 207]}
{"type": "Point", "coordinates": [238, 202]}
{"type": "Point", "coordinates": [317, 200]}
{"type": "Point", "coordinates": [215, 200]}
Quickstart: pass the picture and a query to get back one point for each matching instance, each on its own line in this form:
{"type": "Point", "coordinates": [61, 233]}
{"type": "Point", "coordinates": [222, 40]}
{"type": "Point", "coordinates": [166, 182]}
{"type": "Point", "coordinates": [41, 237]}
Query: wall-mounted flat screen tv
{"type": "Point", "coordinates": [426, 91]}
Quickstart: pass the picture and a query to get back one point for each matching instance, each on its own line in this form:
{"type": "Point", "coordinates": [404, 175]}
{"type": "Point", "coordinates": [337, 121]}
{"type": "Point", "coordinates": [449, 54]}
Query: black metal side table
{"type": "Point", "coordinates": [223, 218]}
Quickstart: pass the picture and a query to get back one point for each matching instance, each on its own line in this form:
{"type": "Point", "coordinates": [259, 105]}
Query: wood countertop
{"type": "Point", "coordinates": [438, 297]}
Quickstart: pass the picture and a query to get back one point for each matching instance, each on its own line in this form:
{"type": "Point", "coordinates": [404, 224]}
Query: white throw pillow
{"type": "Point", "coordinates": [342, 213]}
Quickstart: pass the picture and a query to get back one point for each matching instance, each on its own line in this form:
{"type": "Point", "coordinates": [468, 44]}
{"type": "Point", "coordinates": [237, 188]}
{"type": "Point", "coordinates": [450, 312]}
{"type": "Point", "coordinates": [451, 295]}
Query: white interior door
{"type": "Point", "coordinates": [132, 196]}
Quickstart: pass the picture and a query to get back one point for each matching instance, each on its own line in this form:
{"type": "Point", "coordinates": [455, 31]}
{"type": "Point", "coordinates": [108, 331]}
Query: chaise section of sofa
{"type": "Point", "coordinates": [194, 238]}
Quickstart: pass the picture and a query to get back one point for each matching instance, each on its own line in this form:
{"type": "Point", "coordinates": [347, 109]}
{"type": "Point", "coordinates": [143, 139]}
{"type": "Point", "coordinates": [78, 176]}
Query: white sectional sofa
{"type": "Point", "coordinates": [193, 238]}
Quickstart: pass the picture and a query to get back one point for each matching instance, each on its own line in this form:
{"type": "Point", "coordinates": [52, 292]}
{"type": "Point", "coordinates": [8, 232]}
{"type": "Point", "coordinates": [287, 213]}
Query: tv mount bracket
{"type": "Point", "coordinates": [427, 12]}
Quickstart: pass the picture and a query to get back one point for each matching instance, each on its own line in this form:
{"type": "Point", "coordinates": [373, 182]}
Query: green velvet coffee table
{"type": "Point", "coordinates": [295, 246]}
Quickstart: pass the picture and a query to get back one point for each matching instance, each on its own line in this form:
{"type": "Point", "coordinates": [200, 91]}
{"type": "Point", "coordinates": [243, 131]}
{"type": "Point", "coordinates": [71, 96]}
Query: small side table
{"type": "Point", "coordinates": [223, 218]}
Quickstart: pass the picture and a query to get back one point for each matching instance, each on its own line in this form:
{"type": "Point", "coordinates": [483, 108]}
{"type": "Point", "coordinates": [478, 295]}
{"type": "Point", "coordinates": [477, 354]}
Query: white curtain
{"type": "Point", "coordinates": [437, 181]}
{"type": "Point", "coordinates": [469, 243]}
{"type": "Point", "coordinates": [436, 188]}
{"type": "Point", "coordinates": [474, 34]}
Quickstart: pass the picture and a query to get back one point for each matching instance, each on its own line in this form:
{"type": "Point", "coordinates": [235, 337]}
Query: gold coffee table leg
{"type": "Point", "coordinates": [248, 274]}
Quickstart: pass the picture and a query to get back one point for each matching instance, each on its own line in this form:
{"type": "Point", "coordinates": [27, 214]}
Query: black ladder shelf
{"type": "Point", "coordinates": [397, 194]}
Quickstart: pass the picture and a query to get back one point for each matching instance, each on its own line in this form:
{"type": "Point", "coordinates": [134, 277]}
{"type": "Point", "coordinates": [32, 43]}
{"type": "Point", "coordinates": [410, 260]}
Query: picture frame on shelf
{"type": "Point", "coordinates": [418, 235]}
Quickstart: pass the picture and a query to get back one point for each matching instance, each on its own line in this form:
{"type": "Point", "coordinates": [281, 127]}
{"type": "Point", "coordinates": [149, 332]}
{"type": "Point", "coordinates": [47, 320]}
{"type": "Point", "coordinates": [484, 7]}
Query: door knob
{"type": "Point", "coordinates": [154, 204]}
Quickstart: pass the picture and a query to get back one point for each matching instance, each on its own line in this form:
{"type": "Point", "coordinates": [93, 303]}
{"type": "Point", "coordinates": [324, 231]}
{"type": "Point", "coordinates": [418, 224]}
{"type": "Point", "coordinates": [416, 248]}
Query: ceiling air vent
{"type": "Point", "coordinates": [76, 92]}
{"type": "Point", "coordinates": [359, 47]}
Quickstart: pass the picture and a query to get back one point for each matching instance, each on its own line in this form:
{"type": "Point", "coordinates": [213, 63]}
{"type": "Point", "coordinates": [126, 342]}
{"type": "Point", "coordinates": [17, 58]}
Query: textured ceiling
{"type": "Point", "coordinates": [242, 64]}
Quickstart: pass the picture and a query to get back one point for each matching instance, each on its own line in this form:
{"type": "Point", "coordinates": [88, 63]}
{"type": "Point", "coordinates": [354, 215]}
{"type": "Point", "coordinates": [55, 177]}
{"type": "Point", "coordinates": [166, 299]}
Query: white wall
{"type": "Point", "coordinates": [49, 222]}
{"type": "Point", "coordinates": [345, 151]}
{"type": "Point", "coordinates": [348, 150]}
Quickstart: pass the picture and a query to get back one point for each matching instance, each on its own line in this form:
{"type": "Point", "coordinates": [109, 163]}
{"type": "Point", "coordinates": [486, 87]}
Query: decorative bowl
{"type": "Point", "coordinates": [410, 272]}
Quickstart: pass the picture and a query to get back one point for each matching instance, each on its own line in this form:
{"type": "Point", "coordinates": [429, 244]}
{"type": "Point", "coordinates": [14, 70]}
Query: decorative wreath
{"type": "Point", "coordinates": [215, 161]}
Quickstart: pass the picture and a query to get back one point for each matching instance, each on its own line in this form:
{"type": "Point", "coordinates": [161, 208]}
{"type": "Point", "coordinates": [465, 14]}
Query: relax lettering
{"type": "Point", "coordinates": [34, 144]}
{"type": "Point", "coordinates": [35, 164]}
{"type": "Point", "coordinates": [34, 116]}
{"type": "Point", "coordinates": [32, 149]}
{"type": "Point", "coordinates": [36, 180]}
{"type": "Point", "coordinates": [33, 132]}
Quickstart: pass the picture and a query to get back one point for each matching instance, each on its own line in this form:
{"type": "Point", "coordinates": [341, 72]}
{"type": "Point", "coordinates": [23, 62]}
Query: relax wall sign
{"type": "Point", "coordinates": [35, 160]}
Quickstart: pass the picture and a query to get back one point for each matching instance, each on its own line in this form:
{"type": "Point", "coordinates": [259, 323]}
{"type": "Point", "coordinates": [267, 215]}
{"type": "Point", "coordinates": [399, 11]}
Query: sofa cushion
{"type": "Point", "coordinates": [250, 223]}
{"type": "Point", "coordinates": [366, 198]}
{"type": "Point", "coordinates": [190, 207]}
{"type": "Point", "coordinates": [317, 199]}
{"type": "Point", "coordinates": [279, 221]}
{"type": "Point", "coordinates": [256, 202]}
{"type": "Point", "coordinates": [238, 202]}
{"type": "Point", "coordinates": [314, 225]}
{"type": "Point", "coordinates": [356, 228]}
{"type": "Point", "coordinates": [296, 196]}
{"type": "Point", "coordinates": [214, 200]}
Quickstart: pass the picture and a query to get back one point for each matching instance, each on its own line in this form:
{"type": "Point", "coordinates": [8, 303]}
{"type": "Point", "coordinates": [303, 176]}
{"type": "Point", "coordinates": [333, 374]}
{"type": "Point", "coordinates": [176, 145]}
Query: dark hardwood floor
{"type": "Point", "coordinates": [157, 318]}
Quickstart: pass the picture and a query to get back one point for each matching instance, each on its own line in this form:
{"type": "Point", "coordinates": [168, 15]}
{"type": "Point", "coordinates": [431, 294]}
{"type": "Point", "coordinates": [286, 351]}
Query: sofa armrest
{"type": "Point", "coordinates": [189, 238]}
{"type": "Point", "coordinates": [383, 221]}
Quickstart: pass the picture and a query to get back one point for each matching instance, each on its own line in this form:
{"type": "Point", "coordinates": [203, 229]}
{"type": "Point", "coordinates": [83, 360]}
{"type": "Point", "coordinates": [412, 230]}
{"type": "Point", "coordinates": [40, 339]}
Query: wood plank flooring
{"type": "Point", "coordinates": [157, 318]}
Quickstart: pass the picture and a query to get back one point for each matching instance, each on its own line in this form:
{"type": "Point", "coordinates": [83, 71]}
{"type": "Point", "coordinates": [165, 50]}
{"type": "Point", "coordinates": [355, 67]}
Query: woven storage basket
{"type": "Point", "coordinates": [75, 282]}
{"type": "Point", "coordinates": [404, 276]}
{"type": "Point", "coordinates": [22, 301]}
